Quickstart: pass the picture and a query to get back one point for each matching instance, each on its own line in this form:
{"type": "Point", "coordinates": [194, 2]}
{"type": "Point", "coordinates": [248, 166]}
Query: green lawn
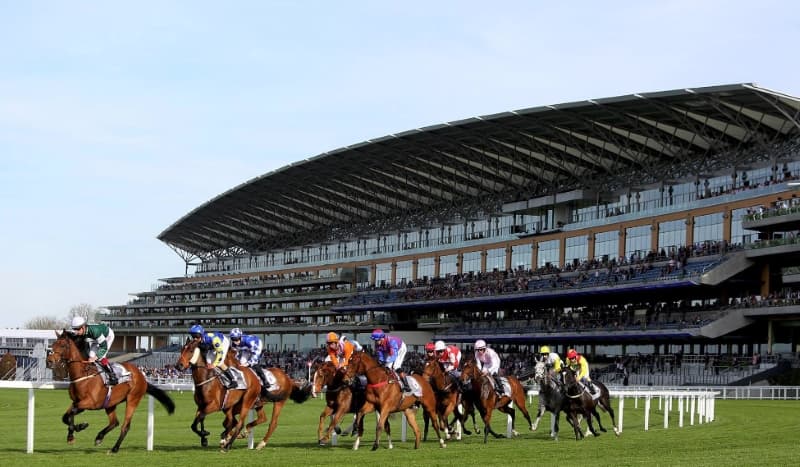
{"type": "Point", "coordinates": [744, 433]}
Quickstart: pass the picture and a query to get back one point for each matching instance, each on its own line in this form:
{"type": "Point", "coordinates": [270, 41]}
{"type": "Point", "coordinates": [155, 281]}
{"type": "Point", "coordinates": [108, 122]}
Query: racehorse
{"type": "Point", "coordinates": [385, 395]}
{"type": "Point", "coordinates": [89, 392]}
{"type": "Point", "coordinates": [211, 395]}
{"type": "Point", "coordinates": [551, 394]}
{"type": "Point", "coordinates": [580, 402]}
{"type": "Point", "coordinates": [340, 399]}
{"type": "Point", "coordinates": [447, 395]}
{"type": "Point", "coordinates": [486, 398]}
{"type": "Point", "coordinates": [8, 367]}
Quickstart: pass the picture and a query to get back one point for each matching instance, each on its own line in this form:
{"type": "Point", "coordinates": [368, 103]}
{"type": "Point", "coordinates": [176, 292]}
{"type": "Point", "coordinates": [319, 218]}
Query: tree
{"type": "Point", "coordinates": [83, 310]}
{"type": "Point", "coordinates": [45, 322]}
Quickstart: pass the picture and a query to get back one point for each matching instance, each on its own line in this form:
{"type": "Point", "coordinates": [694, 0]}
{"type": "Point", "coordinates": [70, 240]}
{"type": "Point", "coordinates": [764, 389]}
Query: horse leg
{"type": "Point", "coordinates": [326, 412]}
{"type": "Point", "coordinates": [605, 403]}
{"type": "Point", "coordinates": [383, 415]}
{"type": "Point", "coordinates": [554, 424]}
{"type": "Point", "coordinates": [426, 420]}
{"type": "Point", "coordinates": [199, 419]}
{"type": "Point", "coordinates": [513, 414]}
{"type": "Point", "coordinates": [273, 422]}
{"type": "Point", "coordinates": [69, 419]}
{"type": "Point", "coordinates": [539, 414]}
{"type": "Point", "coordinates": [412, 422]}
{"type": "Point", "coordinates": [365, 409]}
{"type": "Point", "coordinates": [597, 417]}
{"type": "Point", "coordinates": [519, 401]}
{"type": "Point", "coordinates": [130, 408]}
{"type": "Point", "coordinates": [112, 423]}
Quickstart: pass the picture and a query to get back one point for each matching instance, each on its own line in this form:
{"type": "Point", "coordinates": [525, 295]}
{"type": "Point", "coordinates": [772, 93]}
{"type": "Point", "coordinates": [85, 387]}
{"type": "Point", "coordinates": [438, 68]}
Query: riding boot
{"type": "Point", "coordinates": [498, 386]}
{"type": "Point", "coordinates": [112, 377]}
{"type": "Point", "coordinates": [591, 388]}
{"type": "Point", "coordinates": [231, 380]}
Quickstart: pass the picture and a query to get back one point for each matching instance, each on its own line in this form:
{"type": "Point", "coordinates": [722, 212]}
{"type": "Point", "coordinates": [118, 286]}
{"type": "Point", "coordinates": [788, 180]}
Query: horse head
{"type": "Point", "coordinates": [189, 354]}
{"type": "Point", "coordinates": [65, 350]}
{"type": "Point", "coordinates": [571, 386]}
{"type": "Point", "coordinates": [539, 372]}
{"type": "Point", "coordinates": [434, 373]}
{"type": "Point", "coordinates": [323, 376]}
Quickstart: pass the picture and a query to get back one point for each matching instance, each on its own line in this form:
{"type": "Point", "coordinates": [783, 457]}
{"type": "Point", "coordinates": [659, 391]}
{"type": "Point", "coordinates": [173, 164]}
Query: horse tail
{"type": "Point", "coordinates": [300, 393]}
{"type": "Point", "coordinates": [162, 397]}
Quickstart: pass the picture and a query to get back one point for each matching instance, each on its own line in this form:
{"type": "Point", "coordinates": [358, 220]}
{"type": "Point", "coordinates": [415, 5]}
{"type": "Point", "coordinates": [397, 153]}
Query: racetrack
{"type": "Point", "coordinates": [743, 433]}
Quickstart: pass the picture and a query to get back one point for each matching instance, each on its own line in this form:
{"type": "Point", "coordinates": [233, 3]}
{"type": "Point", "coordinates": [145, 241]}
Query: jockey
{"type": "Point", "coordinates": [216, 342]}
{"type": "Point", "coordinates": [248, 349]}
{"type": "Point", "coordinates": [488, 362]}
{"type": "Point", "coordinates": [430, 351]}
{"type": "Point", "coordinates": [339, 350]}
{"type": "Point", "coordinates": [449, 356]}
{"type": "Point", "coordinates": [550, 359]}
{"type": "Point", "coordinates": [580, 365]}
{"type": "Point", "coordinates": [391, 351]}
{"type": "Point", "coordinates": [99, 337]}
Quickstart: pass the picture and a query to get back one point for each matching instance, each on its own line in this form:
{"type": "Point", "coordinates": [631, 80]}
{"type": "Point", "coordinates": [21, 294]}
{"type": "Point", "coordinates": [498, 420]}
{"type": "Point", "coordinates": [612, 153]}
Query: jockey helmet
{"type": "Point", "coordinates": [439, 346]}
{"type": "Point", "coordinates": [196, 329]}
{"type": "Point", "coordinates": [78, 322]}
{"type": "Point", "coordinates": [572, 353]}
{"type": "Point", "coordinates": [236, 333]}
{"type": "Point", "coordinates": [480, 344]}
{"type": "Point", "coordinates": [377, 334]}
{"type": "Point", "coordinates": [429, 347]}
{"type": "Point", "coordinates": [332, 338]}
{"type": "Point", "coordinates": [544, 350]}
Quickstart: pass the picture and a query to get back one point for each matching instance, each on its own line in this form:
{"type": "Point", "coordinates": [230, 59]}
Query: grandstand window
{"type": "Point", "coordinates": [479, 229]}
{"type": "Point", "coordinates": [411, 240]}
{"type": "Point", "coordinates": [383, 274]}
{"type": "Point", "coordinates": [425, 268]}
{"type": "Point", "coordinates": [496, 259]}
{"type": "Point", "coordinates": [521, 256]}
{"type": "Point", "coordinates": [606, 244]}
{"type": "Point", "coordinates": [671, 235]}
{"type": "Point", "coordinates": [548, 253]}
{"type": "Point", "coordinates": [403, 271]}
{"type": "Point", "coordinates": [448, 265]}
{"type": "Point", "coordinates": [637, 241]}
{"type": "Point", "coordinates": [739, 235]}
{"type": "Point", "coordinates": [708, 227]}
{"type": "Point", "coordinates": [472, 262]}
{"type": "Point", "coordinates": [576, 249]}
{"type": "Point", "coordinates": [458, 233]}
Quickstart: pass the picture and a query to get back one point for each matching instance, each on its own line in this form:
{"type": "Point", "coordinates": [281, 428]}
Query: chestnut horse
{"type": "Point", "coordinates": [340, 399]}
{"type": "Point", "coordinates": [486, 398]}
{"type": "Point", "coordinates": [385, 395]}
{"type": "Point", "coordinates": [211, 395]}
{"type": "Point", "coordinates": [88, 391]}
{"type": "Point", "coordinates": [447, 394]}
{"type": "Point", "coordinates": [580, 402]}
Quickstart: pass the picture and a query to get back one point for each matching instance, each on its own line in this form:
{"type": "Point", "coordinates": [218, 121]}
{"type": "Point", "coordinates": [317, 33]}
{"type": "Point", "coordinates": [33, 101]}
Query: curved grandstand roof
{"type": "Point", "coordinates": [602, 144]}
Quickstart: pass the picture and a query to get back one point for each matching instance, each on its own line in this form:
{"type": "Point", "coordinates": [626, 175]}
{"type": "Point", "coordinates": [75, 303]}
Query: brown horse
{"type": "Point", "coordinates": [8, 367]}
{"type": "Point", "coordinates": [211, 395]}
{"type": "Point", "coordinates": [447, 393]}
{"type": "Point", "coordinates": [340, 399]}
{"type": "Point", "coordinates": [88, 391]}
{"type": "Point", "coordinates": [385, 395]}
{"type": "Point", "coordinates": [486, 398]}
{"type": "Point", "coordinates": [579, 402]}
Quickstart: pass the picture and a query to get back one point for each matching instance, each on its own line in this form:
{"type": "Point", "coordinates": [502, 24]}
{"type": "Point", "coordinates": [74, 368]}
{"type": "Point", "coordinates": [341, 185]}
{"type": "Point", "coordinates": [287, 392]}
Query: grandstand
{"type": "Point", "coordinates": [660, 224]}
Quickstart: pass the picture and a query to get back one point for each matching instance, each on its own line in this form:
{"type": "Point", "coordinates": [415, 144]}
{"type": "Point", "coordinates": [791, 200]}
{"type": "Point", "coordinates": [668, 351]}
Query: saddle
{"type": "Point", "coordinates": [122, 373]}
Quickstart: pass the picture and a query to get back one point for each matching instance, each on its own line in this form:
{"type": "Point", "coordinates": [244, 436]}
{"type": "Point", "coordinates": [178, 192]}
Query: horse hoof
{"type": "Point", "coordinates": [204, 442]}
{"type": "Point", "coordinates": [98, 441]}
{"type": "Point", "coordinates": [71, 441]}
{"type": "Point", "coordinates": [337, 430]}
{"type": "Point", "coordinates": [261, 445]}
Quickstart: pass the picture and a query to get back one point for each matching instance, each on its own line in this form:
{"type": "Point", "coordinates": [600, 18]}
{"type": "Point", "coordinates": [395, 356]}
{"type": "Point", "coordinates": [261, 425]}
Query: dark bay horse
{"type": "Point", "coordinates": [211, 395]}
{"type": "Point", "coordinates": [580, 402]}
{"type": "Point", "coordinates": [550, 393]}
{"type": "Point", "coordinates": [88, 391]}
{"type": "Point", "coordinates": [447, 394]}
{"type": "Point", "coordinates": [385, 396]}
{"type": "Point", "coordinates": [486, 398]}
{"type": "Point", "coordinates": [340, 399]}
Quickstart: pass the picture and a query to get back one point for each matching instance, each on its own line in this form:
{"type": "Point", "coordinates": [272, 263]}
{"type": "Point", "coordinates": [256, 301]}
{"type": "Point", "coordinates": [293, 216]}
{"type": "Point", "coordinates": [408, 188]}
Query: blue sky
{"type": "Point", "coordinates": [116, 119]}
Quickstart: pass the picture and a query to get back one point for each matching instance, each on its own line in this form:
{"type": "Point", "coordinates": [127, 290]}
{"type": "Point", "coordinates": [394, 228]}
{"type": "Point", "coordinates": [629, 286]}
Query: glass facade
{"type": "Point", "coordinates": [606, 245]}
{"type": "Point", "coordinates": [576, 250]}
{"type": "Point", "coordinates": [548, 253]}
{"type": "Point", "coordinates": [708, 228]}
{"type": "Point", "coordinates": [472, 262]}
{"type": "Point", "coordinates": [671, 235]}
{"type": "Point", "coordinates": [637, 242]}
{"type": "Point", "coordinates": [521, 256]}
